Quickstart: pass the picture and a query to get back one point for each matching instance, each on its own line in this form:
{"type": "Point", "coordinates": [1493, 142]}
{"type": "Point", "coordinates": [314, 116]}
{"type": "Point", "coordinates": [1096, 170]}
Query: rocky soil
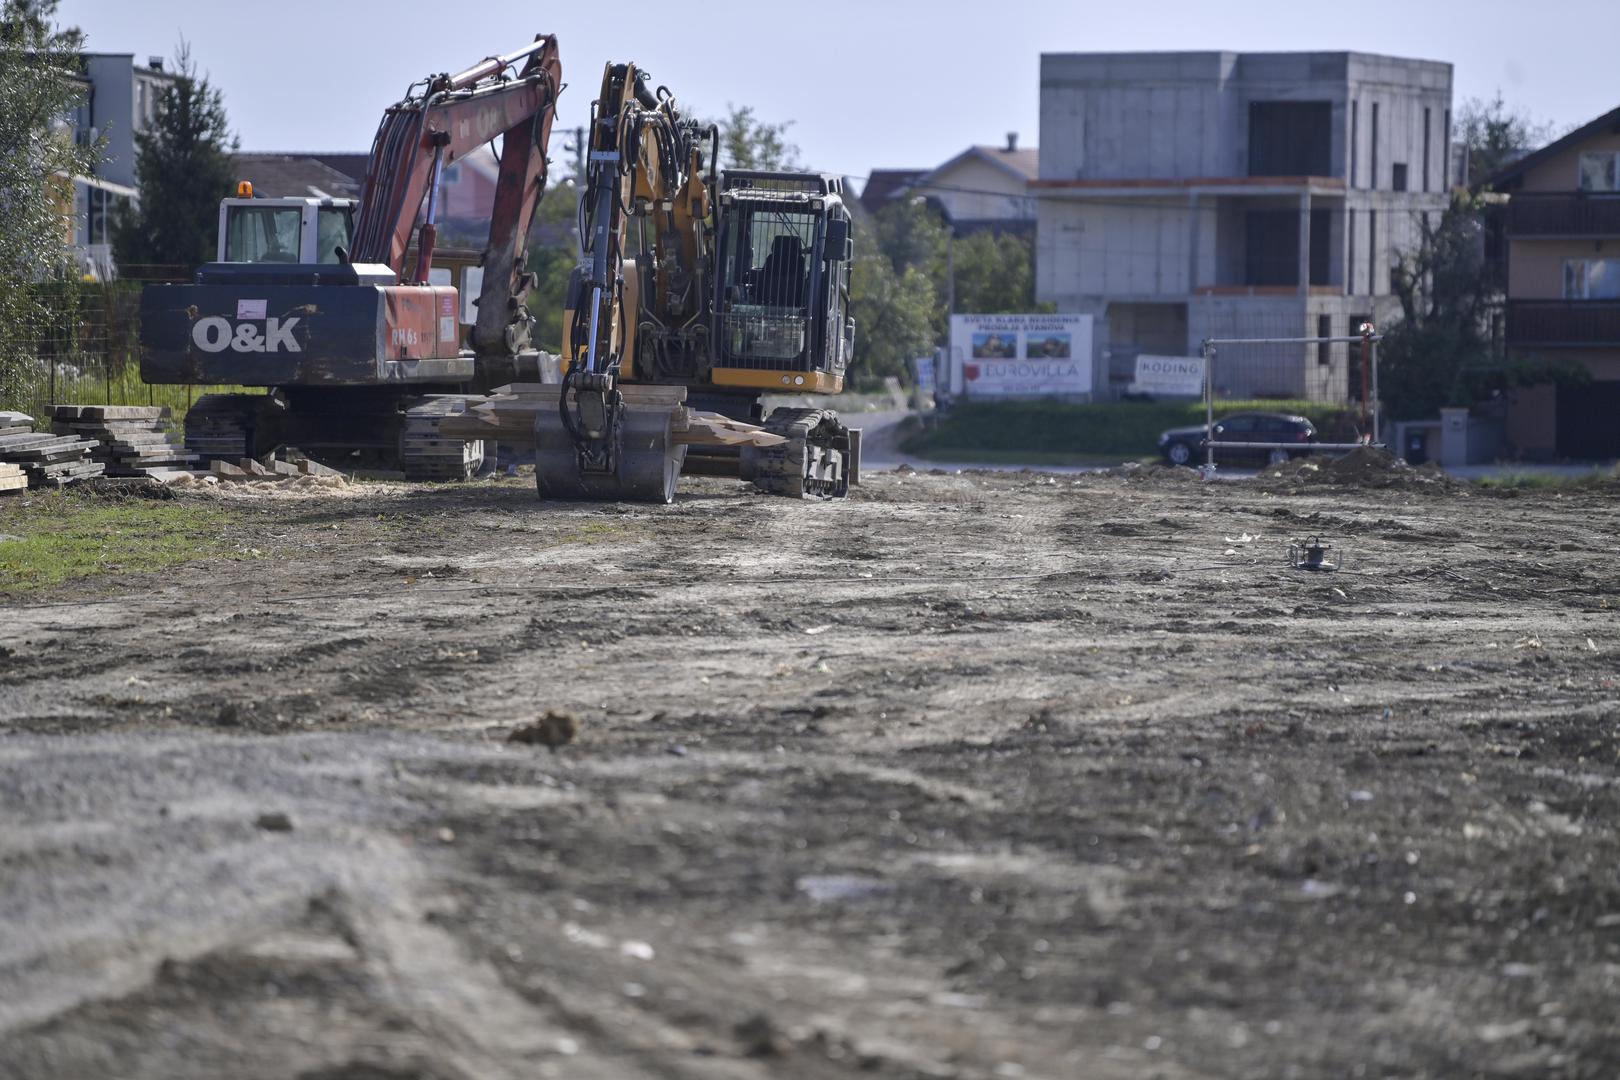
{"type": "Point", "coordinates": [977, 776]}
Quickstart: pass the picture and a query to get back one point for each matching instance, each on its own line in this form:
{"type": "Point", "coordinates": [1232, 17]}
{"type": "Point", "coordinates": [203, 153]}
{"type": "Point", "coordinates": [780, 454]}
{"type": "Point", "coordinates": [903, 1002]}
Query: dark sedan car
{"type": "Point", "coordinates": [1185, 446]}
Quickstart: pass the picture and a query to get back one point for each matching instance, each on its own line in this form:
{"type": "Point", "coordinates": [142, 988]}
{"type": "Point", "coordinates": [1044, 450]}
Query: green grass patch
{"type": "Point", "coordinates": [1118, 430]}
{"type": "Point", "coordinates": [1531, 480]}
{"type": "Point", "coordinates": [126, 388]}
{"type": "Point", "coordinates": [65, 536]}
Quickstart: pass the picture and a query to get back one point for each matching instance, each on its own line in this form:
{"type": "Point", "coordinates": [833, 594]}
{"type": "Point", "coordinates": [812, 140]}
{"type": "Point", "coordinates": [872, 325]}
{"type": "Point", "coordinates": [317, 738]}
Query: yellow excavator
{"type": "Point", "coordinates": [696, 290]}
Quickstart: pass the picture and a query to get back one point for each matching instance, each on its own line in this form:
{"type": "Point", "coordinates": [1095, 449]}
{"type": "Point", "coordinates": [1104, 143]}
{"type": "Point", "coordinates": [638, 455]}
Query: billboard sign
{"type": "Point", "coordinates": [1021, 355]}
{"type": "Point", "coordinates": [1171, 376]}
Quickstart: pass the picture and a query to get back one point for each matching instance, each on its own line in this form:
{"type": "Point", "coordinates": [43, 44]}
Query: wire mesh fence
{"type": "Point", "coordinates": [78, 343]}
{"type": "Point", "coordinates": [1304, 356]}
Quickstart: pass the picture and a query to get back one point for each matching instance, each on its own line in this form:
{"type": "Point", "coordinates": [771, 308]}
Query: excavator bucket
{"type": "Point", "coordinates": [646, 463]}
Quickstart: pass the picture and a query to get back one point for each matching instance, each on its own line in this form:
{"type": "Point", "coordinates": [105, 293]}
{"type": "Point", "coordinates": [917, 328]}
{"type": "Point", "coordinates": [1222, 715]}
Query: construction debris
{"type": "Point", "coordinates": [508, 414]}
{"type": "Point", "coordinates": [552, 730]}
{"type": "Point", "coordinates": [48, 459]}
{"type": "Point", "coordinates": [134, 440]}
{"type": "Point", "coordinates": [1316, 555]}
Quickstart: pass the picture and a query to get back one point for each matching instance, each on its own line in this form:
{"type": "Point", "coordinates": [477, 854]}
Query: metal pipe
{"type": "Point", "coordinates": [1372, 348]}
{"type": "Point", "coordinates": [596, 312]}
{"type": "Point", "coordinates": [1209, 401]}
{"type": "Point", "coordinates": [1289, 340]}
{"type": "Point", "coordinates": [495, 64]}
{"type": "Point", "coordinates": [1224, 444]}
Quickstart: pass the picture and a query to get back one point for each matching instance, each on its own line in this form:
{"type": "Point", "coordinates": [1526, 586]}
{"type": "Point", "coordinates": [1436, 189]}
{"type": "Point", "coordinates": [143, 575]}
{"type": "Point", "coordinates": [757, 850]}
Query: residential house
{"type": "Point", "coordinates": [1184, 196]}
{"type": "Point", "coordinates": [883, 184]}
{"type": "Point", "coordinates": [119, 100]}
{"type": "Point", "coordinates": [466, 190]}
{"type": "Point", "coordinates": [983, 187]}
{"type": "Point", "coordinates": [1562, 233]}
{"type": "Point", "coordinates": [296, 176]}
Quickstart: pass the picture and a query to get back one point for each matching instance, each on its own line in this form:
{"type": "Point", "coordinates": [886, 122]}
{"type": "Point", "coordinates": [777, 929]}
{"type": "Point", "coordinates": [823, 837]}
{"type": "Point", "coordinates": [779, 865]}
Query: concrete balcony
{"type": "Point", "coordinates": [1563, 323]}
{"type": "Point", "coordinates": [1561, 215]}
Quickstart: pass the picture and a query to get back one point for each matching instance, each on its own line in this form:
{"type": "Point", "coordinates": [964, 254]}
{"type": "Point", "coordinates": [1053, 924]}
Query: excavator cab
{"type": "Point", "coordinates": [781, 304]}
{"type": "Point", "coordinates": [287, 230]}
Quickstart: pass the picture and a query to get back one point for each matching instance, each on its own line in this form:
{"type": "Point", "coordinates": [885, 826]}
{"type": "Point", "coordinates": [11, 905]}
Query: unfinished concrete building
{"type": "Point", "coordinates": [1217, 194]}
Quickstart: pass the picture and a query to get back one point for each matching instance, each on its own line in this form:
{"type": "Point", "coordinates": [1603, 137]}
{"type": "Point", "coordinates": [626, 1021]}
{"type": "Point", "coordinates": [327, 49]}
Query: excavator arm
{"type": "Point", "coordinates": [645, 174]}
{"type": "Point", "coordinates": [442, 119]}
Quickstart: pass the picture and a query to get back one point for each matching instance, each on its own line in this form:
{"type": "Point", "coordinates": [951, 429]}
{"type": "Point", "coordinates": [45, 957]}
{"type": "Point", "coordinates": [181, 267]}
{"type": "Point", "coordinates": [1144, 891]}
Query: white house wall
{"type": "Point", "coordinates": [976, 190]}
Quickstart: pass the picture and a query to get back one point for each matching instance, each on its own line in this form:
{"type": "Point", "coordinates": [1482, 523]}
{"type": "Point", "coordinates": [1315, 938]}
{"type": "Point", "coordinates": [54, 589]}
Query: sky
{"type": "Point", "coordinates": [866, 83]}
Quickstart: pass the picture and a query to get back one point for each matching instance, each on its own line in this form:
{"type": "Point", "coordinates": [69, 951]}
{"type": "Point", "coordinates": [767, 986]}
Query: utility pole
{"type": "Point", "coordinates": [578, 148]}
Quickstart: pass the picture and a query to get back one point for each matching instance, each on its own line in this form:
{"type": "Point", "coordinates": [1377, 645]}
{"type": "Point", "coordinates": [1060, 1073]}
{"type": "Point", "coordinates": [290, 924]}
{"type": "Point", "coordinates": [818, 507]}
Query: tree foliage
{"type": "Point", "coordinates": [982, 273]}
{"type": "Point", "coordinates": [894, 314]}
{"type": "Point", "coordinates": [747, 142]}
{"type": "Point", "coordinates": [38, 159]}
{"type": "Point", "coordinates": [994, 274]}
{"type": "Point", "coordinates": [1496, 136]}
{"type": "Point", "coordinates": [1440, 352]}
{"type": "Point", "coordinates": [183, 166]}
{"type": "Point", "coordinates": [552, 255]}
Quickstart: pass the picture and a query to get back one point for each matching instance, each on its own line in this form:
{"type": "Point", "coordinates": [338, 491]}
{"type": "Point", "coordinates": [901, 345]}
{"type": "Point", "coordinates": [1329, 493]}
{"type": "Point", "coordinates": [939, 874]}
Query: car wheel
{"type": "Point", "coordinates": [1278, 456]}
{"type": "Point", "coordinates": [1179, 453]}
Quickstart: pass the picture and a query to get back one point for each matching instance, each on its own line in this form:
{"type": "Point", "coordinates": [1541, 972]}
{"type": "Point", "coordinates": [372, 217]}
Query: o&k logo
{"type": "Point", "coordinates": [217, 333]}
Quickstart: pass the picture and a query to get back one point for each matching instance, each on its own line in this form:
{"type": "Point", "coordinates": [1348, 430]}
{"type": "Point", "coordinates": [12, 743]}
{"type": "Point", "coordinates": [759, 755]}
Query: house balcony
{"type": "Point", "coordinates": [1563, 323]}
{"type": "Point", "coordinates": [1559, 215]}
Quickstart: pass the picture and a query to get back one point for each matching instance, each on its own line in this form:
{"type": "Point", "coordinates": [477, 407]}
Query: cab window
{"type": "Point", "coordinates": [332, 230]}
{"type": "Point", "coordinates": [259, 234]}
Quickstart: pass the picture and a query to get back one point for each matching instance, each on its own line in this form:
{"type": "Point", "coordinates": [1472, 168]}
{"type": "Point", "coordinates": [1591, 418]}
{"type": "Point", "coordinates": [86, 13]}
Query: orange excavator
{"type": "Point", "coordinates": [314, 298]}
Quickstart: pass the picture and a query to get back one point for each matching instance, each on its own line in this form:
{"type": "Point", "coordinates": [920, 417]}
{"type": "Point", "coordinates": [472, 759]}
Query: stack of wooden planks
{"type": "Point", "coordinates": [134, 440]}
{"type": "Point", "coordinates": [508, 414]}
{"type": "Point", "coordinates": [48, 459]}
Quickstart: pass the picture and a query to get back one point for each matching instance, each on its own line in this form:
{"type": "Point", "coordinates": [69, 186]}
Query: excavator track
{"type": "Point", "coordinates": [425, 454]}
{"type": "Point", "coordinates": [814, 463]}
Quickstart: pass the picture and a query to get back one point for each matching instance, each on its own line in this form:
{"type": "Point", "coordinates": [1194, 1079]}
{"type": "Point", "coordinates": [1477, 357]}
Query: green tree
{"type": "Point", "coordinates": [894, 314]}
{"type": "Point", "coordinates": [912, 233]}
{"type": "Point", "coordinates": [553, 254]}
{"type": "Point", "coordinates": [32, 24]}
{"type": "Point", "coordinates": [1440, 353]}
{"type": "Point", "coordinates": [183, 166]}
{"type": "Point", "coordinates": [747, 142]}
{"type": "Point", "coordinates": [1496, 136]}
{"type": "Point", "coordinates": [38, 159]}
{"type": "Point", "coordinates": [994, 274]}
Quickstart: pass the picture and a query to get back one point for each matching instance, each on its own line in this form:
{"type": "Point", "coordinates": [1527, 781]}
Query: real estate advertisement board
{"type": "Point", "coordinates": [1021, 355]}
{"type": "Point", "coordinates": [1169, 376]}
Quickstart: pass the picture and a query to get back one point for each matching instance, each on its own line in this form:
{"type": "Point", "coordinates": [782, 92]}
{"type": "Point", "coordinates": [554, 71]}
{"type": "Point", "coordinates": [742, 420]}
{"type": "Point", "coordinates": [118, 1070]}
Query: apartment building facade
{"type": "Point", "coordinates": [1184, 196]}
{"type": "Point", "coordinates": [1562, 233]}
{"type": "Point", "coordinates": [118, 99]}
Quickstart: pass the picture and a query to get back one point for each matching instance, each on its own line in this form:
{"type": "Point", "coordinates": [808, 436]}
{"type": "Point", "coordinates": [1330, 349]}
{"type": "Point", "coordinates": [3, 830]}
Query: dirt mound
{"type": "Point", "coordinates": [1155, 473]}
{"type": "Point", "coordinates": [1363, 467]}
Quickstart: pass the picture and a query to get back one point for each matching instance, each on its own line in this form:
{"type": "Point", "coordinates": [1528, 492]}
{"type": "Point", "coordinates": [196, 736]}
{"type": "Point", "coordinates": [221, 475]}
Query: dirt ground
{"type": "Point", "coordinates": [977, 776]}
